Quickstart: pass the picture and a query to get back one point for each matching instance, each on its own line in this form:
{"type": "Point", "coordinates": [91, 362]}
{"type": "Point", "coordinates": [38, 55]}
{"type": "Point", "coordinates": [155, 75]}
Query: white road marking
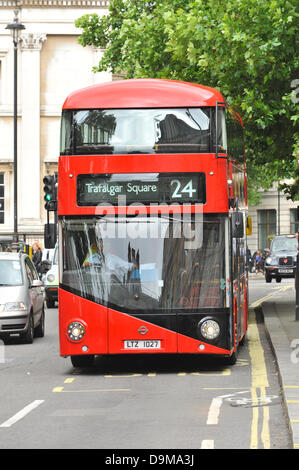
{"type": "Point", "coordinates": [263, 299]}
{"type": "Point", "coordinates": [21, 414]}
{"type": "Point", "coordinates": [207, 444]}
{"type": "Point", "coordinates": [214, 410]}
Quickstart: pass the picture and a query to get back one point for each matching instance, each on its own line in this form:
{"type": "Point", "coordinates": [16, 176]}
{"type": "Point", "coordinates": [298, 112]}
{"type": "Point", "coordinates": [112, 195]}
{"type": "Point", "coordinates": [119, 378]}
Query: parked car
{"type": "Point", "coordinates": [281, 260]}
{"type": "Point", "coordinates": [21, 298]}
{"type": "Point", "coordinates": [51, 281]}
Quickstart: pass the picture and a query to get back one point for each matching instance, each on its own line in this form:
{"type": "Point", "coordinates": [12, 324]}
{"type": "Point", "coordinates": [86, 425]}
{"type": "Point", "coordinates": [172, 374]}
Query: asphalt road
{"type": "Point", "coordinates": [158, 402]}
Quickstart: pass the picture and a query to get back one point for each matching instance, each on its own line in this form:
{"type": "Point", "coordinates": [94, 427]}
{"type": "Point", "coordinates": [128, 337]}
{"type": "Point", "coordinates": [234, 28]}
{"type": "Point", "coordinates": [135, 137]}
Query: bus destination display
{"type": "Point", "coordinates": [141, 187]}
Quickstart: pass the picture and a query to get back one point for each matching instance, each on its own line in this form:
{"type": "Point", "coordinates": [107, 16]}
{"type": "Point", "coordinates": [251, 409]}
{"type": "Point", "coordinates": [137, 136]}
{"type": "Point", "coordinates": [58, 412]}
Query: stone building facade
{"type": "Point", "coordinates": [51, 64]}
{"type": "Point", "coordinates": [274, 215]}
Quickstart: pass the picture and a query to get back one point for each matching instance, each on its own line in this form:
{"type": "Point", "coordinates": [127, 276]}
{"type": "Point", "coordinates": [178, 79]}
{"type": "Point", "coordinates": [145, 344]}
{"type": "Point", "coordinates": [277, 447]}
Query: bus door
{"type": "Point", "coordinates": [239, 286]}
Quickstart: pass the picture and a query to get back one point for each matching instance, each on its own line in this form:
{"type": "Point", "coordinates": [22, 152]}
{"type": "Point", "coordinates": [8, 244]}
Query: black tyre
{"type": "Point", "coordinates": [231, 360]}
{"type": "Point", "coordinates": [278, 279]}
{"type": "Point", "coordinates": [28, 336]}
{"type": "Point", "coordinates": [50, 303]}
{"type": "Point", "coordinates": [268, 278]}
{"type": "Point", "coordinates": [83, 361]}
{"type": "Point", "coordinates": [243, 340]}
{"type": "Point", "coordinates": [40, 329]}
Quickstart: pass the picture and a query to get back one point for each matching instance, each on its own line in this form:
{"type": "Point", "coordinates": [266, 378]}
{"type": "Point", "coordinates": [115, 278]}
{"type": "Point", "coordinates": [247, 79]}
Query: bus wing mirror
{"type": "Point", "coordinates": [237, 225]}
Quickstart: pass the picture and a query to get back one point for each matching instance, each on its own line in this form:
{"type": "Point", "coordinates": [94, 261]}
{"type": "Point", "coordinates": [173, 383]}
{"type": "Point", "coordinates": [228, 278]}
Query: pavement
{"type": "Point", "coordinates": [279, 312]}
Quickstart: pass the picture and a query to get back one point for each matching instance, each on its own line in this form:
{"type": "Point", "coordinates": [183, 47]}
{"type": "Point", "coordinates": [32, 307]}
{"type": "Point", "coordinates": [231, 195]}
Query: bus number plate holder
{"type": "Point", "coordinates": [142, 344]}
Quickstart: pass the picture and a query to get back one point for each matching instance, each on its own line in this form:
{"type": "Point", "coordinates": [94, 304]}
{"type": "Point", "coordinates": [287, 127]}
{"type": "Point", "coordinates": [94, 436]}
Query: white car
{"type": "Point", "coordinates": [51, 281]}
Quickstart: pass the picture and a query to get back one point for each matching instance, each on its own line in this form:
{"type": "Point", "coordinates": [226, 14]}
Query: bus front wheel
{"type": "Point", "coordinates": [231, 360]}
{"type": "Point", "coordinates": [82, 361]}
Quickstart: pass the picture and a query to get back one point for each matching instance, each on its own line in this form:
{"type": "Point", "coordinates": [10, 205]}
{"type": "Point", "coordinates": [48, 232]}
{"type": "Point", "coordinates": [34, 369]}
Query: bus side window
{"type": "Point", "coordinates": [235, 147]}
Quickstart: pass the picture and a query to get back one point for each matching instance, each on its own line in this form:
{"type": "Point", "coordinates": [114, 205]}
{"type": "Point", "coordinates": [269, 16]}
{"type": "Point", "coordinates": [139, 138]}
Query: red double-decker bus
{"type": "Point", "coordinates": [151, 213]}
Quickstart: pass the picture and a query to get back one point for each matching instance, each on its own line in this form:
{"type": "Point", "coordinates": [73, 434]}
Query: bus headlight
{"type": "Point", "coordinates": [76, 331]}
{"type": "Point", "coordinates": [209, 329]}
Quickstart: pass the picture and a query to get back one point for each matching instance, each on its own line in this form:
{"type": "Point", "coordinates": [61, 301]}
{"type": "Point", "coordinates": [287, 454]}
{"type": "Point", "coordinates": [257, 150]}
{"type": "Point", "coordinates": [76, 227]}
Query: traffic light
{"type": "Point", "coordinates": [50, 191]}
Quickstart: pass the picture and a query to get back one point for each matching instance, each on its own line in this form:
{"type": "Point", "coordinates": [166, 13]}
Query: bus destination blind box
{"type": "Point", "coordinates": [141, 187]}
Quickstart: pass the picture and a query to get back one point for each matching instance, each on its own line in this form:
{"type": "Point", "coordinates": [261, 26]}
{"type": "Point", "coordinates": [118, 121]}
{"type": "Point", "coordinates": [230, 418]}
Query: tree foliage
{"type": "Point", "coordinates": [244, 48]}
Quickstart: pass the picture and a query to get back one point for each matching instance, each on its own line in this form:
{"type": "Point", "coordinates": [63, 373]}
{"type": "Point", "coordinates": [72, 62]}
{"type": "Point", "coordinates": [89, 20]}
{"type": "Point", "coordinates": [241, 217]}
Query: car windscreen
{"type": "Point", "coordinates": [284, 244]}
{"type": "Point", "coordinates": [10, 273]}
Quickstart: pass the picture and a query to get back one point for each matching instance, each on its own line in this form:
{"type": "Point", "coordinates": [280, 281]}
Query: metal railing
{"type": "Point", "coordinates": [7, 240]}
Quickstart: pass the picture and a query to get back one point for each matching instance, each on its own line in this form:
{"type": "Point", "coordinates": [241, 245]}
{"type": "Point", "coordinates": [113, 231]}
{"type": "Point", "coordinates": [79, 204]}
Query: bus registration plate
{"type": "Point", "coordinates": [142, 344]}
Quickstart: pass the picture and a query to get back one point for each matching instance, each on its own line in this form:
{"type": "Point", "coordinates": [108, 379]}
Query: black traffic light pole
{"type": "Point", "coordinates": [15, 29]}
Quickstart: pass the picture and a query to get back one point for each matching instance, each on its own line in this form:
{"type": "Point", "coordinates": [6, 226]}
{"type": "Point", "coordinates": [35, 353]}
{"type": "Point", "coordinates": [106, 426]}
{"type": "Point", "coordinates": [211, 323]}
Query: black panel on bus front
{"type": "Point", "coordinates": [187, 324]}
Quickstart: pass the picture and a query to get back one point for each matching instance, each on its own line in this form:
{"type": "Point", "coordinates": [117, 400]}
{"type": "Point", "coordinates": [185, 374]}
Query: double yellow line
{"type": "Point", "coordinates": [259, 379]}
{"type": "Point", "coordinates": [259, 383]}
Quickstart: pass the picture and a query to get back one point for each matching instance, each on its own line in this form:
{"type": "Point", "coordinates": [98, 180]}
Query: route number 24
{"type": "Point", "coordinates": [180, 190]}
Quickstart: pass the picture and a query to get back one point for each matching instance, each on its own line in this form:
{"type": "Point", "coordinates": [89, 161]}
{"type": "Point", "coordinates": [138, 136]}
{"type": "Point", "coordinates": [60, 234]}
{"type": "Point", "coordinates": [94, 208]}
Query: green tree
{"type": "Point", "coordinates": [244, 48]}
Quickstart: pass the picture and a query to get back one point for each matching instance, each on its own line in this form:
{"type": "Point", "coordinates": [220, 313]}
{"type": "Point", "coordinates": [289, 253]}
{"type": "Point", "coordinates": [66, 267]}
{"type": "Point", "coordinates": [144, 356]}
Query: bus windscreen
{"type": "Point", "coordinates": [145, 265]}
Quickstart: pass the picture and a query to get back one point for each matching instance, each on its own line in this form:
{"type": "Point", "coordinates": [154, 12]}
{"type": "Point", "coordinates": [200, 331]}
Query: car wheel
{"type": "Point", "coordinates": [268, 278]}
{"type": "Point", "coordinates": [29, 334]}
{"type": "Point", "coordinates": [40, 329]}
{"type": "Point", "coordinates": [50, 303]}
{"type": "Point", "coordinates": [278, 279]}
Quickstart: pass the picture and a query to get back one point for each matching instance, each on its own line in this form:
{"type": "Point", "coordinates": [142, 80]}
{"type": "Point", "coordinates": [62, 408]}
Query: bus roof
{"type": "Point", "coordinates": [143, 93]}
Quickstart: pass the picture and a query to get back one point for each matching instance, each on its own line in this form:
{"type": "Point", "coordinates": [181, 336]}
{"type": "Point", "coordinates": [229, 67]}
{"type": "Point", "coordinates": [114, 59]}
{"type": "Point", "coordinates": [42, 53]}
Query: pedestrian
{"type": "Point", "coordinates": [37, 256]}
{"type": "Point", "coordinates": [249, 260]}
{"type": "Point", "coordinates": [259, 264]}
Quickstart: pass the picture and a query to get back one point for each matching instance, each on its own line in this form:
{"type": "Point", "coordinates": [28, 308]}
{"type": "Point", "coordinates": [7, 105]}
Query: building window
{"type": "Point", "coordinates": [266, 227]}
{"type": "Point", "coordinates": [1, 198]}
{"type": "Point", "coordinates": [294, 221]}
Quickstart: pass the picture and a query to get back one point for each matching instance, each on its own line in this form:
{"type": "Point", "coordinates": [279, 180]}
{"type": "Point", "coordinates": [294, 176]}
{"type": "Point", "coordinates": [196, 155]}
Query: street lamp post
{"type": "Point", "coordinates": [15, 29]}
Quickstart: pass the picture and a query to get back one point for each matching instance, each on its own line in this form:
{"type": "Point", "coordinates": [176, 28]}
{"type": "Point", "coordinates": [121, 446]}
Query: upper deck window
{"type": "Point", "coordinates": [127, 131]}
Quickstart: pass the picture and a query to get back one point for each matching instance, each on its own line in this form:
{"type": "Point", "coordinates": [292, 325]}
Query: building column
{"type": "Point", "coordinates": [29, 179]}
